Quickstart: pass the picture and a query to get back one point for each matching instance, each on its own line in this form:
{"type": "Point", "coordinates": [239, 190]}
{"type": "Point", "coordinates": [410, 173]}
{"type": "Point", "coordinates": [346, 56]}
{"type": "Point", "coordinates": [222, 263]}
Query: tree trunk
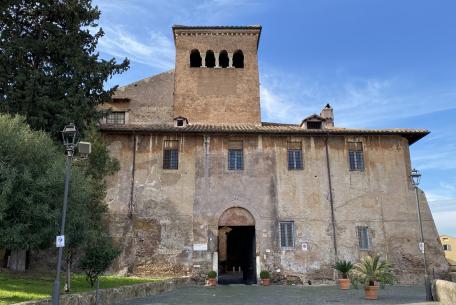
{"type": "Point", "coordinates": [17, 260]}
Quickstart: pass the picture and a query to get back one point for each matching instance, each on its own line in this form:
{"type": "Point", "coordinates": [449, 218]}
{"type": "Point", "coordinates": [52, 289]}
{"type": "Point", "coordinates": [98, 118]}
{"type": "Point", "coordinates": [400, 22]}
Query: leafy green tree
{"type": "Point", "coordinates": [50, 71]}
{"type": "Point", "coordinates": [31, 189]}
{"type": "Point", "coordinates": [88, 220]}
{"type": "Point", "coordinates": [99, 255]}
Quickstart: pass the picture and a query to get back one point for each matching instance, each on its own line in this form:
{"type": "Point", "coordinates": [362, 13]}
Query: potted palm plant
{"type": "Point", "coordinates": [212, 278]}
{"type": "Point", "coordinates": [344, 267]}
{"type": "Point", "coordinates": [372, 270]}
{"type": "Point", "coordinates": [265, 277]}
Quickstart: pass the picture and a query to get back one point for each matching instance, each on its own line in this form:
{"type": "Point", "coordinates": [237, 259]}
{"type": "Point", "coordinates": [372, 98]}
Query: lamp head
{"type": "Point", "coordinates": [415, 175]}
{"type": "Point", "coordinates": [70, 136]}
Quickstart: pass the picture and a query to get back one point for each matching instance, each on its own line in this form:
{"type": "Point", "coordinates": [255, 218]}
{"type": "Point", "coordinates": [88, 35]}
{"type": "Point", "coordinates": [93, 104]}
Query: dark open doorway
{"type": "Point", "coordinates": [237, 255]}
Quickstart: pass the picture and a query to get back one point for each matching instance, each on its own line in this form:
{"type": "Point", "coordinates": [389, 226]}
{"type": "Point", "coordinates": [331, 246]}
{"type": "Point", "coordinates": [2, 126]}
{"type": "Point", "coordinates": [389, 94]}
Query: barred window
{"type": "Point", "coordinates": [363, 238]}
{"type": "Point", "coordinates": [294, 155]}
{"type": "Point", "coordinates": [314, 125]}
{"type": "Point", "coordinates": [235, 155]}
{"type": "Point", "coordinates": [356, 156]}
{"type": "Point", "coordinates": [447, 247]}
{"type": "Point", "coordinates": [116, 117]}
{"type": "Point", "coordinates": [171, 154]}
{"type": "Point", "coordinates": [287, 234]}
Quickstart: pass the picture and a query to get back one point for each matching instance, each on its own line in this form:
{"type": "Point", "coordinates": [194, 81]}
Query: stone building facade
{"type": "Point", "coordinates": [206, 185]}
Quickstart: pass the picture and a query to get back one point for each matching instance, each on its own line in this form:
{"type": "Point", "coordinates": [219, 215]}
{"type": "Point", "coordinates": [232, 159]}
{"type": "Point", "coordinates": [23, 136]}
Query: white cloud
{"type": "Point", "coordinates": [155, 51]}
{"type": "Point", "coordinates": [356, 102]}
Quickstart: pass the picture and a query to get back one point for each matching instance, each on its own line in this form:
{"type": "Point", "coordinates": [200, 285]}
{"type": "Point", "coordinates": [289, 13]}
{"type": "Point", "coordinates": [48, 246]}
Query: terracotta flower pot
{"type": "Point", "coordinates": [371, 292]}
{"type": "Point", "coordinates": [265, 282]}
{"type": "Point", "coordinates": [344, 284]}
{"type": "Point", "coordinates": [212, 282]}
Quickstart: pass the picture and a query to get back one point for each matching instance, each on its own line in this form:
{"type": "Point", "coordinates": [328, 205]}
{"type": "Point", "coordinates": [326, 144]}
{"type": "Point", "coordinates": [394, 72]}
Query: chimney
{"type": "Point", "coordinates": [327, 114]}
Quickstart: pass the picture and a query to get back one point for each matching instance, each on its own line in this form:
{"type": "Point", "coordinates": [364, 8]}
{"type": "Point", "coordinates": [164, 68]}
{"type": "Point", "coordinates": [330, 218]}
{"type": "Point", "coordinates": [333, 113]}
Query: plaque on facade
{"type": "Point", "coordinates": [199, 247]}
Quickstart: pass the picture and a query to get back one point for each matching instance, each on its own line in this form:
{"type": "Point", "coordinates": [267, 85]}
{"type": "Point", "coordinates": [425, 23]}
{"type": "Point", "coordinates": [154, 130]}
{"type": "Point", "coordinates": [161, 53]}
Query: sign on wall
{"type": "Point", "coordinates": [199, 247]}
{"type": "Point", "coordinates": [305, 246]}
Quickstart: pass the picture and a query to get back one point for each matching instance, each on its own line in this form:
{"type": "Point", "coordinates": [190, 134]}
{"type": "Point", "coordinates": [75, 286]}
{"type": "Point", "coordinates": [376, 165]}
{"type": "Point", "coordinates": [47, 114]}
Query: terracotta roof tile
{"type": "Point", "coordinates": [412, 135]}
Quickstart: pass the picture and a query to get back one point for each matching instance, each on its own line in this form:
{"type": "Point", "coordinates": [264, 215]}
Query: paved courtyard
{"type": "Point", "coordinates": [282, 295]}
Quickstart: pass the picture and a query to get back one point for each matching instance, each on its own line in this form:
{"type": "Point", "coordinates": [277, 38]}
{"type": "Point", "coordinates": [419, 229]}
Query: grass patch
{"type": "Point", "coordinates": [15, 288]}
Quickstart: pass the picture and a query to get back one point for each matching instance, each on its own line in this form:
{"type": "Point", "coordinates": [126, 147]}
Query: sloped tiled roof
{"type": "Point", "coordinates": [412, 135]}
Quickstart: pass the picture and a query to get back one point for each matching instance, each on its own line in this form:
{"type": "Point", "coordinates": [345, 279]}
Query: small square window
{"type": "Point", "coordinates": [235, 155]}
{"type": "Point", "coordinates": [356, 156]}
{"type": "Point", "coordinates": [116, 117]}
{"type": "Point", "coordinates": [171, 154]}
{"type": "Point", "coordinates": [294, 155]}
{"type": "Point", "coordinates": [287, 234]}
{"type": "Point", "coordinates": [447, 247]}
{"type": "Point", "coordinates": [314, 125]}
{"type": "Point", "coordinates": [363, 238]}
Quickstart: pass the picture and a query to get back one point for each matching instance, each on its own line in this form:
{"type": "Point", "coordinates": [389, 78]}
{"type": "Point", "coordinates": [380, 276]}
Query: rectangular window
{"type": "Point", "coordinates": [235, 155]}
{"type": "Point", "coordinates": [287, 234]}
{"type": "Point", "coordinates": [363, 238]}
{"type": "Point", "coordinates": [447, 247]}
{"type": "Point", "coordinates": [355, 156]}
{"type": "Point", "coordinates": [314, 125]}
{"type": "Point", "coordinates": [171, 154]}
{"type": "Point", "coordinates": [294, 155]}
{"type": "Point", "coordinates": [116, 117]}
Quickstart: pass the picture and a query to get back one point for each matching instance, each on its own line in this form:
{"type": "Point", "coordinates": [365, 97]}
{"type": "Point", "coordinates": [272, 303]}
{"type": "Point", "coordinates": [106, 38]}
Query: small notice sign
{"type": "Point", "coordinates": [199, 247]}
{"type": "Point", "coordinates": [305, 247]}
{"type": "Point", "coordinates": [421, 246]}
{"type": "Point", "coordinates": [60, 241]}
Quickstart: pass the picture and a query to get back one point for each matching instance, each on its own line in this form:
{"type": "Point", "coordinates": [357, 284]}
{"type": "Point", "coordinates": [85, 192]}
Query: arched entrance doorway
{"type": "Point", "coordinates": [236, 247]}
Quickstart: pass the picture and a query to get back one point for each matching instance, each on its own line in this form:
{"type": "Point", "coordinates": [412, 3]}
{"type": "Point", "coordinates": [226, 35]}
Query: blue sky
{"type": "Point", "coordinates": [379, 63]}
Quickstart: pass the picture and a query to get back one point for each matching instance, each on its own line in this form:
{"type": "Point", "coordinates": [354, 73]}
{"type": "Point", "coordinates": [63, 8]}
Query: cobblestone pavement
{"type": "Point", "coordinates": [283, 295]}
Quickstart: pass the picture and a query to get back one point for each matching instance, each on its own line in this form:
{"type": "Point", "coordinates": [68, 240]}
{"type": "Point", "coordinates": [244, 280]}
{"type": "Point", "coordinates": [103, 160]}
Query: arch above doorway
{"type": "Point", "coordinates": [236, 216]}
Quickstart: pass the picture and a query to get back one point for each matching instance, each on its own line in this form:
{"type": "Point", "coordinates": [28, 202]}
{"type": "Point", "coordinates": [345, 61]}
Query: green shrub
{"type": "Point", "coordinates": [343, 267]}
{"type": "Point", "coordinates": [264, 274]}
{"type": "Point", "coordinates": [371, 270]}
{"type": "Point", "coordinates": [211, 274]}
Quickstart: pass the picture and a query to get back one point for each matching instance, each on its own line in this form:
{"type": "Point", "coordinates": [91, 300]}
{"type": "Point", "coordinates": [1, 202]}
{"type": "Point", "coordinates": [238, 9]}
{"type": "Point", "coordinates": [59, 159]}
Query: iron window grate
{"type": "Point", "coordinates": [294, 156]}
{"type": "Point", "coordinates": [356, 156]}
{"type": "Point", "coordinates": [171, 154]}
{"type": "Point", "coordinates": [287, 234]}
{"type": "Point", "coordinates": [116, 117]}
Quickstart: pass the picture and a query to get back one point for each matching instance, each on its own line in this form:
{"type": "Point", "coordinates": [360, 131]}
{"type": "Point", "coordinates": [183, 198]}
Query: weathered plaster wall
{"type": "Point", "coordinates": [217, 95]}
{"type": "Point", "coordinates": [175, 209]}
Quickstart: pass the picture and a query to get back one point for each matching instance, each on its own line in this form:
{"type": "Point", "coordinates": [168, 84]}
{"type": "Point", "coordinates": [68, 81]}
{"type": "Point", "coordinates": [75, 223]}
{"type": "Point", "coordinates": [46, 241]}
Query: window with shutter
{"type": "Point", "coordinates": [294, 155]}
{"type": "Point", "coordinates": [356, 156]}
{"type": "Point", "coordinates": [287, 234]}
{"type": "Point", "coordinates": [171, 154]}
{"type": "Point", "coordinates": [235, 155]}
{"type": "Point", "coordinates": [363, 238]}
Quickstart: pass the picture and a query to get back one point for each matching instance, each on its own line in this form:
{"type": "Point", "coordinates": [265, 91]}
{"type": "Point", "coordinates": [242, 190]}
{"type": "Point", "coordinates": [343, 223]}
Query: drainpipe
{"type": "Point", "coordinates": [331, 201]}
{"type": "Point", "coordinates": [132, 187]}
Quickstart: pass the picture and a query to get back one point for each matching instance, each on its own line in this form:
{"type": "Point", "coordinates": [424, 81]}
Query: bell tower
{"type": "Point", "coordinates": [216, 74]}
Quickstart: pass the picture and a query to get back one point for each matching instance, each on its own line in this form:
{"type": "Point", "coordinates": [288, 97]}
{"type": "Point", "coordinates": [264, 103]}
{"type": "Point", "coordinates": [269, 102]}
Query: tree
{"type": "Point", "coordinates": [99, 255]}
{"type": "Point", "coordinates": [50, 71]}
{"type": "Point", "coordinates": [80, 225]}
{"type": "Point", "coordinates": [31, 191]}
{"type": "Point", "coordinates": [31, 188]}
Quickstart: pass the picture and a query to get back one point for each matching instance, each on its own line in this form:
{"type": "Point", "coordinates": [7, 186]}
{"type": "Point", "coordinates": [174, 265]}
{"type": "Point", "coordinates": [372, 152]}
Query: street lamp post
{"type": "Point", "coordinates": [415, 176]}
{"type": "Point", "coordinates": [70, 137]}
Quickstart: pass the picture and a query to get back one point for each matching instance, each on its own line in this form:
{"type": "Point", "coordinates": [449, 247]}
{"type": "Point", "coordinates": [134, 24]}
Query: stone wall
{"type": "Point", "coordinates": [217, 95]}
{"type": "Point", "coordinates": [150, 101]}
{"type": "Point", "coordinates": [115, 295]}
{"type": "Point", "coordinates": [173, 210]}
{"type": "Point", "coordinates": [445, 292]}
